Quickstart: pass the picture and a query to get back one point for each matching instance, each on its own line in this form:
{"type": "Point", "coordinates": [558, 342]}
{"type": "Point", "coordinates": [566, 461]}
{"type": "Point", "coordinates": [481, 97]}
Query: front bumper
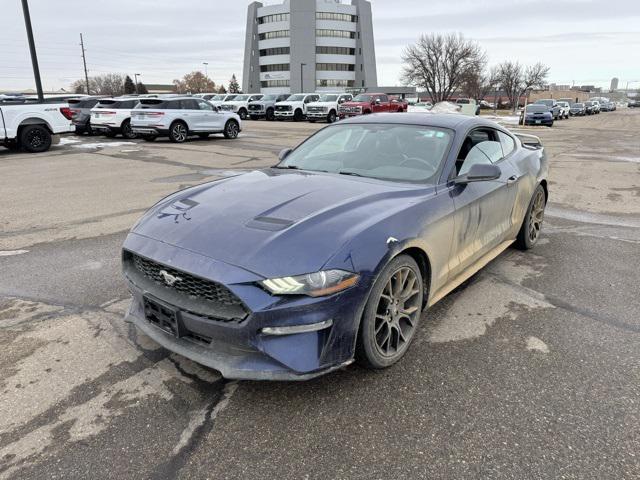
{"type": "Point", "coordinates": [241, 349]}
{"type": "Point", "coordinates": [538, 121]}
{"type": "Point", "coordinates": [284, 114]}
{"type": "Point", "coordinates": [317, 115]}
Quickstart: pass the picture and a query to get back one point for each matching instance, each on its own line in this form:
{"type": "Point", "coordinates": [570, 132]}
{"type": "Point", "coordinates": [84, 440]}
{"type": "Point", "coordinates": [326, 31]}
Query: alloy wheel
{"type": "Point", "coordinates": [35, 139]}
{"type": "Point", "coordinates": [179, 132]}
{"type": "Point", "coordinates": [398, 312]}
{"type": "Point", "coordinates": [536, 216]}
{"type": "Point", "coordinates": [232, 130]}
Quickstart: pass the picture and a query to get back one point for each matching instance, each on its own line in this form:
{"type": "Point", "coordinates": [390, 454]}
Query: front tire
{"type": "Point", "coordinates": [298, 116]}
{"type": "Point", "coordinates": [532, 225]}
{"type": "Point", "coordinates": [270, 115]}
{"type": "Point", "coordinates": [242, 114]}
{"type": "Point", "coordinates": [178, 132]}
{"type": "Point", "coordinates": [231, 130]}
{"type": "Point", "coordinates": [35, 139]}
{"type": "Point", "coordinates": [392, 314]}
{"type": "Point", "coordinates": [332, 117]}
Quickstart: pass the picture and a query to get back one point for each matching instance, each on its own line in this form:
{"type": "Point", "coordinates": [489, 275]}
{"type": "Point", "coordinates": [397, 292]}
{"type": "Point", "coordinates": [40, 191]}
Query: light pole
{"type": "Point", "coordinates": [32, 49]}
{"type": "Point", "coordinates": [302, 65]}
{"type": "Point", "coordinates": [136, 75]}
{"type": "Point", "coordinates": [206, 69]}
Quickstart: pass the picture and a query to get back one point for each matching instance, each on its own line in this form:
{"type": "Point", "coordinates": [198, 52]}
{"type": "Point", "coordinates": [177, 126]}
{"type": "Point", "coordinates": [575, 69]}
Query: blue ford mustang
{"type": "Point", "coordinates": [332, 255]}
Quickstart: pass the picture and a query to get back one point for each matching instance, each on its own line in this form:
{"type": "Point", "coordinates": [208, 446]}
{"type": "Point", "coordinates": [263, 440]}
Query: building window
{"type": "Point", "coordinates": [339, 17]}
{"type": "Point", "coordinates": [335, 51]}
{"type": "Point", "coordinates": [279, 67]}
{"type": "Point", "coordinates": [335, 67]}
{"type": "Point", "coordinates": [280, 17]}
{"type": "Point", "coordinates": [335, 83]}
{"type": "Point", "coordinates": [335, 33]}
{"type": "Point", "coordinates": [274, 83]}
{"type": "Point", "coordinates": [267, 52]}
{"type": "Point", "coordinates": [276, 34]}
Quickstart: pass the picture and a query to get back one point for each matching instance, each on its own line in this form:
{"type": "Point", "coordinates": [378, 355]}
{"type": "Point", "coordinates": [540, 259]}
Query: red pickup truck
{"type": "Point", "coordinates": [366, 103]}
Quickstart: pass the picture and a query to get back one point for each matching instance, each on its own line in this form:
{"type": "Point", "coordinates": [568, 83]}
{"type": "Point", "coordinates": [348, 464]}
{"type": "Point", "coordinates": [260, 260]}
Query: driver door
{"type": "Point", "coordinates": [483, 217]}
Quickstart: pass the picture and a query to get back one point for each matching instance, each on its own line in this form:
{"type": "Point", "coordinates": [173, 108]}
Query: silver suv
{"type": "Point", "coordinates": [179, 117]}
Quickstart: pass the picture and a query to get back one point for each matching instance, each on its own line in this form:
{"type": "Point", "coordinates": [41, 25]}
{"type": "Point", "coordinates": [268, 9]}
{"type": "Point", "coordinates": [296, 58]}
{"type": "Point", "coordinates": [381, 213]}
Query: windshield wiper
{"type": "Point", "coordinates": [286, 167]}
{"type": "Point", "coordinates": [351, 174]}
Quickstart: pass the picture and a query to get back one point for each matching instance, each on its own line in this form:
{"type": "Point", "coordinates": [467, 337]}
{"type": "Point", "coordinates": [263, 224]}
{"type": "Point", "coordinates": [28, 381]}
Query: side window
{"type": "Point", "coordinates": [384, 98]}
{"type": "Point", "coordinates": [508, 145]}
{"type": "Point", "coordinates": [308, 99]}
{"type": "Point", "coordinates": [480, 147]}
{"type": "Point", "coordinates": [204, 106]}
{"type": "Point", "coordinates": [189, 105]}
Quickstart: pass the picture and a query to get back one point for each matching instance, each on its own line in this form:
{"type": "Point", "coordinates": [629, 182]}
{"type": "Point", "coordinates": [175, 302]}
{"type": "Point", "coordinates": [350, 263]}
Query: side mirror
{"type": "Point", "coordinates": [284, 154]}
{"type": "Point", "coordinates": [480, 172]}
{"type": "Point", "coordinates": [378, 102]}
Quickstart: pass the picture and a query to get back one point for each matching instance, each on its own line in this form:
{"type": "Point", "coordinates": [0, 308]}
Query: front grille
{"type": "Point", "coordinates": [283, 108]}
{"type": "Point", "coordinates": [350, 109]}
{"type": "Point", "coordinates": [255, 108]}
{"type": "Point", "coordinates": [315, 109]}
{"type": "Point", "coordinates": [226, 107]}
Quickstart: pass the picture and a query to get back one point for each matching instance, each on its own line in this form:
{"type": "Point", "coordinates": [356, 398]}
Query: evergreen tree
{"type": "Point", "coordinates": [222, 90]}
{"type": "Point", "coordinates": [142, 88]}
{"type": "Point", "coordinates": [234, 86]}
{"type": "Point", "coordinates": [129, 87]}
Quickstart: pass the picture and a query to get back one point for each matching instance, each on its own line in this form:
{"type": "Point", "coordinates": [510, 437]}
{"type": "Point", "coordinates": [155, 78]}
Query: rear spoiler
{"type": "Point", "coordinates": [530, 141]}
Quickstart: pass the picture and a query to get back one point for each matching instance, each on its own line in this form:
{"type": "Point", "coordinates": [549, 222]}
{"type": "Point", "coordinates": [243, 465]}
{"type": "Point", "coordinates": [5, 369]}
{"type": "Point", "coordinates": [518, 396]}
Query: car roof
{"type": "Point", "coordinates": [453, 121]}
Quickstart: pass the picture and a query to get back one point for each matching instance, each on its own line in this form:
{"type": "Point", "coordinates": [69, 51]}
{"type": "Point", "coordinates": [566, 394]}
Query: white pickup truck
{"type": "Point", "coordinates": [33, 127]}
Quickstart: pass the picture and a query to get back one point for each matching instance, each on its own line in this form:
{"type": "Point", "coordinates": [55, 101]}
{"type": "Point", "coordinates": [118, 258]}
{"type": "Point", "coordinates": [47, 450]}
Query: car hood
{"type": "Point", "coordinates": [272, 222]}
{"type": "Point", "coordinates": [322, 104]}
{"type": "Point", "coordinates": [355, 104]}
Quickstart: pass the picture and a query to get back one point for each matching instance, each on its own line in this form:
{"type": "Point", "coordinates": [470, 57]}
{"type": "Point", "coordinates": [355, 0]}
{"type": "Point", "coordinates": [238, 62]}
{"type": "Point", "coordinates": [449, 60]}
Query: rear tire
{"type": "Point", "coordinates": [242, 114]}
{"type": "Point", "coordinates": [231, 130]}
{"type": "Point", "coordinates": [534, 218]}
{"type": "Point", "coordinates": [35, 139]}
{"type": "Point", "coordinates": [391, 315]}
{"type": "Point", "coordinates": [127, 132]}
{"type": "Point", "coordinates": [178, 132]}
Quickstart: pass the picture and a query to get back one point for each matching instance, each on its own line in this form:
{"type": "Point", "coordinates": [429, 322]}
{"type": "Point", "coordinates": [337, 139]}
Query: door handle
{"type": "Point", "coordinates": [512, 179]}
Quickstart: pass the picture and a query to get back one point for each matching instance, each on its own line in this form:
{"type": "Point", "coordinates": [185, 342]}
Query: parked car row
{"type": "Point", "coordinates": [547, 111]}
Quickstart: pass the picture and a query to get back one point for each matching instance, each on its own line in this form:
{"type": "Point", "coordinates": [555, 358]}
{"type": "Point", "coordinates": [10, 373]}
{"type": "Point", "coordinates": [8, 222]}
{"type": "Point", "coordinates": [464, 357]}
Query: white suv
{"type": "Point", "coordinates": [295, 107]}
{"type": "Point", "coordinates": [326, 108]}
{"type": "Point", "coordinates": [112, 116]}
{"type": "Point", "coordinates": [240, 105]}
{"type": "Point", "coordinates": [220, 99]}
{"type": "Point", "coordinates": [179, 117]}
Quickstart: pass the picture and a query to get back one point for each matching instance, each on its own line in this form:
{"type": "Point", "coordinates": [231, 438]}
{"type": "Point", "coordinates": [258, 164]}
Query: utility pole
{"type": "Point", "coordinates": [302, 65]}
{"type": "Point", "coordinates": [32, 49]}
{"type": "Point", "coordinates": [206, 69]}
{"type": "Point", "coordinates": [136, 75]}
{"type": "Point", "coordinates": [84, 61]}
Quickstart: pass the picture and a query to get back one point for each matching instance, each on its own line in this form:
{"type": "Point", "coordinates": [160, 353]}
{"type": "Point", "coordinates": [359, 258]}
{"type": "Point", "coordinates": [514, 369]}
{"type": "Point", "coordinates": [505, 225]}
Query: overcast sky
{"type": "Point", "coordinates": [583, 41]}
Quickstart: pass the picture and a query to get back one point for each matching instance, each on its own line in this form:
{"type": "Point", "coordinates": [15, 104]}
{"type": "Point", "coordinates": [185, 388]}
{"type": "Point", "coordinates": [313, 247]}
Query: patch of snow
{"type": "Point", "coordinates": [68, 141]}
{"type": "Point", "coordinates": [508, 120]}
{"type": "Point", "coordinates": [536, 345]}
{"type": "Point", "coordinates": [11, 253]}
{"type": "Point", "coordinates": [95, 145]}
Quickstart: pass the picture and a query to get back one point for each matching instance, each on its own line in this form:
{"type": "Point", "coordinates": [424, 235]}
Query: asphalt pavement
{"type": "Point", "coordinates": [530, 370]}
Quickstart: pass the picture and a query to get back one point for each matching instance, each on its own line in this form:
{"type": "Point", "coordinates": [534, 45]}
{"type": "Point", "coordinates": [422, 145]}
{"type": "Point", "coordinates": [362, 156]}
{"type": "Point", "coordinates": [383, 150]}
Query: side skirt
{"type": "Point", "coordinates": [468, 273]}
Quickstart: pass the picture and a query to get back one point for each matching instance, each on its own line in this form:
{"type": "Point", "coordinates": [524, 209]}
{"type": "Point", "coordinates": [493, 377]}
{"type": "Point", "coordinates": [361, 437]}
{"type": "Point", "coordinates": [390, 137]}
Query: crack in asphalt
{"type": "Point", "coordinates": [564, 305]}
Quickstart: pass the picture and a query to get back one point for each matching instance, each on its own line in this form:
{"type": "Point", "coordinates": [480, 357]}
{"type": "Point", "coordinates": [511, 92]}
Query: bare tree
{"type": "Point", "coordinates": [111, 84]}
{"type": "Point", "coordinates": [439, 63]}
{"type": "Point", "coordinates": [515, 79]}
{"type": "Point", "coordinates": [478, 84]}
{"type": "Point", "coordinates": [195, 82]}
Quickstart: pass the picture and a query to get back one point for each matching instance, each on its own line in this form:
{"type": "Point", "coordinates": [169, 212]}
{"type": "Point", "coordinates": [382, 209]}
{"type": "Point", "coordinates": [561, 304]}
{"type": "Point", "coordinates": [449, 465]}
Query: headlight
{"type": "Point", "coordinates": [317, 284]}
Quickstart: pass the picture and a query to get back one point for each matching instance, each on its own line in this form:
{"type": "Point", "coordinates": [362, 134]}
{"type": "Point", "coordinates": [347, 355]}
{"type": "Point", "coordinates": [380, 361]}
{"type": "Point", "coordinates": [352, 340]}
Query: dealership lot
{"type": "Point", "coordinates": [530, 370]}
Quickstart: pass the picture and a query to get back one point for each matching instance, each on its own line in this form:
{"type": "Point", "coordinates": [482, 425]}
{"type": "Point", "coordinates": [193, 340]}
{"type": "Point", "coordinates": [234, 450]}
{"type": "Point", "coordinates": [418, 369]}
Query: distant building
{"type": "Point", "coordinates": [309, 45]}
{"type": "Point", "coordinates": [614, 84]}
{"type": "Point", "coordinates": [160, 88]}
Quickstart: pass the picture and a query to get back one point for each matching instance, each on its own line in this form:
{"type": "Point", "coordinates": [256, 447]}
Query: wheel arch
{"type": "Point", "coordinates": [545, 185]}
{"type": "Point", "coordinates": [35, 121]}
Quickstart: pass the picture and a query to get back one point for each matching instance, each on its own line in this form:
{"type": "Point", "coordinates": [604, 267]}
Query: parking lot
{"type": "Point", "coordinates": [529, 370]}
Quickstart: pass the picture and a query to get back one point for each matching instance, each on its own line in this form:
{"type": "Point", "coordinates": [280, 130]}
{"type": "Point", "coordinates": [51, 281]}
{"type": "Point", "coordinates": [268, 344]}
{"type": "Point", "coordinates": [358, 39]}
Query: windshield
{"type": "Point", "coordinates": [537, 108]}
{"type": "Point", "coordinates": [270, 98]}
{"type": "Point", "coordinates": [407, 153]}
{"type": "Point", "coordinates": [589, 104]}
{"type": "Point", "coordinates": [230, 97]}
{"type": "Point", "coordinates": [578, 105]}
{"type": "Point", "coordinates": [548, 103]}
{"type": "Point", "coordinates": [218, 97]}
{"type": "Point", "coordinates": [296, 98]}
{"type": "Point", "coordinates": [241, 98]}
{"type": "Point", "coordinates": [328, 98]}
{"type": "Point", "coordinates": [363, 98]}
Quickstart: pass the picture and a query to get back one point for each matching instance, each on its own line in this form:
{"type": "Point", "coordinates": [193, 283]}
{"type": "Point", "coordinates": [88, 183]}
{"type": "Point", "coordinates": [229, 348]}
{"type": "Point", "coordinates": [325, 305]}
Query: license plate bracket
{"type": "Point", "coordinates": [164, 316]}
